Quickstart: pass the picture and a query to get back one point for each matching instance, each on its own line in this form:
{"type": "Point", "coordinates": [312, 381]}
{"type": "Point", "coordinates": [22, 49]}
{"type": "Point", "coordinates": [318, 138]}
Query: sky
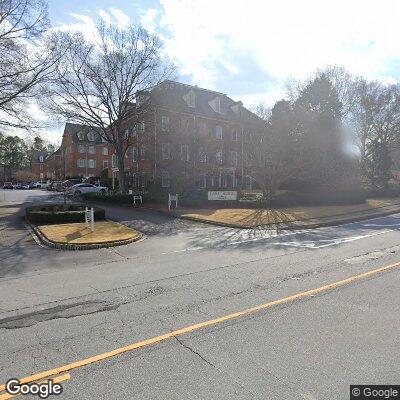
{"type": "Point", "coordinates": [249, 49]}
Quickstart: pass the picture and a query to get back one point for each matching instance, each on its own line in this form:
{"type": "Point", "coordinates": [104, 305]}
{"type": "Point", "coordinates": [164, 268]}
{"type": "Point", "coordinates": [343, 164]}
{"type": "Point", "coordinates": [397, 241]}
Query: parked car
{"type": "Point", "coordinates": [35, 185]}
{"type": "Point", "coordinates": [19, 186]}
{"type": "Point", "coordinates": [8, 185]}
{"type": "Point", "coordinates": [25, 186]}
{"type": "Point", "coordinates": [80, 188]}
{"type": "Point", "coordinates": [71, 182]}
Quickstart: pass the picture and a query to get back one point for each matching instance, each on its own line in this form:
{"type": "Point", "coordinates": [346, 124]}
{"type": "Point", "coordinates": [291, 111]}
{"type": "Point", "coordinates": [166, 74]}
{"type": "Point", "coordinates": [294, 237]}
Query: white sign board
{"type": "Point", "coordinates": [222, 195]}
{"type": "Point", "coordinates": [172, 198]}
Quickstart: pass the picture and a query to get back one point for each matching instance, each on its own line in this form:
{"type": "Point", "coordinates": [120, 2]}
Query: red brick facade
{"type": "Point", "coordinates": [191, 137]}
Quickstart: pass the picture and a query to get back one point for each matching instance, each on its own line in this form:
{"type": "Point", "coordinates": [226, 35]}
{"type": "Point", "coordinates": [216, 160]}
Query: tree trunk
{"type": "Point", "coordinates": [121, 173]}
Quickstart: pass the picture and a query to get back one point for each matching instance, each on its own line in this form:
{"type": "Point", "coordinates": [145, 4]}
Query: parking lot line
{"type": "Point", "coordinates": [205, 324]}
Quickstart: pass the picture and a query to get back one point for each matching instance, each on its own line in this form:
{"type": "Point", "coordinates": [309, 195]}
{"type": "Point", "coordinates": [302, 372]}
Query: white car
{"type": "Point", "coordinates": [81, 188]}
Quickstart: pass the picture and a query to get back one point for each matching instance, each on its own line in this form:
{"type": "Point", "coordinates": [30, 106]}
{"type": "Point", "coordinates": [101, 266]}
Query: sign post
{"type": "Point", "coordinates": [89, 218]}
{"type": "Point", "coordinates": [172, 198]}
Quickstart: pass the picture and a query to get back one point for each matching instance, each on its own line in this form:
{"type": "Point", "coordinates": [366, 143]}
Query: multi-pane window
{"type": "Point", "coordinates": [234, 158]}
{"type": "Point", "coordinates": [218, 132]}
{"type": "Point", "coordinates": [91, 150]}
{"type": "Point", "coordinates": [219, 157]}
{"type": "Point", "coordinates": [134, 154]}
{"type": "Point", "coordinates": [164, 123]}
{"type": "Point", "coordinates": [165, 151]}
{"type": "Point", "coordinates": [184, 152]}
{"type": "Point", "coordinates": [202, 155]}
{"type": "Point", "coordinates": [91, 136]}
{"type": "Point", "coordinates": [105, 151]}
{"type": "Point", "coordinates": [81, 162]}
{"type": "Point", "coordinates": [114, 162]}
{"type": "Point", "coordinates": [165, 179]}
{"type": "Point", "coordinates": [92, 163]}
{"type": "Point", "coordinates": [143, 151]}
{"type": "Point", "coordinates": [81, 148]}
{"type": "Point", "coordinates": [202, 181]}
{"type": "Point", "coordinates": [141, 126]}
{"type": "Point", "coordinates": [80, 135]}
{"type": "Point", "coordinates": [235, 135]}
{"type": "Point", "coordinates": [105, 164]}
{"type": "Point", "coordinates": [217, 105]}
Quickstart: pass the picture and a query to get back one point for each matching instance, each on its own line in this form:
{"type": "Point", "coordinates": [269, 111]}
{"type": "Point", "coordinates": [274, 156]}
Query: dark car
{"type": "Point", "coordinates": [8, 185]}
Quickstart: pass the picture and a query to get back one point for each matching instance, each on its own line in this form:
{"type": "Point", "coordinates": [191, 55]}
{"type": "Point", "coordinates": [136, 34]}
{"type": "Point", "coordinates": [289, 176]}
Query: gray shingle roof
{"type": "Point", "coordinates": [76, 129]}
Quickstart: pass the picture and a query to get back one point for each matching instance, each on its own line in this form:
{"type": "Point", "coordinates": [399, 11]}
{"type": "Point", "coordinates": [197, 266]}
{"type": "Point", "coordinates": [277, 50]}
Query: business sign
{"type": "Point", "coordinates": [222, 195]}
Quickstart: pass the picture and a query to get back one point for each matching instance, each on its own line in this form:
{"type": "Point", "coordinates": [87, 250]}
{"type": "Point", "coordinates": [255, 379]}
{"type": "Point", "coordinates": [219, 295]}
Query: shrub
{"type": "Point", "coordinates": [61, 213]}
{"type": "Point", "coordinates": [118, 198]}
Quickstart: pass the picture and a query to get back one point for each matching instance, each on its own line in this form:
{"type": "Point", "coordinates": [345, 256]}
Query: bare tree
{"type": "Point", "coordinates": [24, 61]}
{"type": "Point", "coordinates": [104, 83]}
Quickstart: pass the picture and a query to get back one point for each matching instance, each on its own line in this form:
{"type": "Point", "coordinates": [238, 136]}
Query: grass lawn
{"type": "Point", "coordinates": [79, 233]}
{"type": "Point", "coordinates": [248, 218]}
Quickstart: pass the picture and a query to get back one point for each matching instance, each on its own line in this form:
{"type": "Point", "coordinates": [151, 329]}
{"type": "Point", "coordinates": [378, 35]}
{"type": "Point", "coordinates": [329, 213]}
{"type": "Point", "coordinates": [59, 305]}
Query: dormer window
{"type": "Point", "coordinates": [91, 136]}
{"type": "Point", "coordinates": [80, 135]}
{"type": "Point", "coordinates": [218, 132]}
{"type": "Point", "coordinates": [215, 104]}
{"type": "Point", "coordinates": [41, 159]}
{"type": "Point", "coordinates": [190, 99]}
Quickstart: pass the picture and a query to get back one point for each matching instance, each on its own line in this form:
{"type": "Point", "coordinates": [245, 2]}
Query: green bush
{"type": "Point", "coordinates": [61, 213]}
{"type": "Point", "coordinates": [109, 198]}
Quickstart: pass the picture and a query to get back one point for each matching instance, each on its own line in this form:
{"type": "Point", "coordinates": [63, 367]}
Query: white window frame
{"type": "Point", "coordinates": [219, 157]}
{"type": "Point", "coordinates": [134, 154]}
{"type": "Point", "coordinates": [165, 179]}
{"type": "Point", "coordinates": [81, 163]}
{"type": "Point", "coordinates": [91, 136]}
{"type": "Point", "coordinates": [81, 148]}
{"type": "Point", "coordinates": [191, 99]}
{"type": "Point", "coordinates": [184, 152]}
{"type": "Point", "coordinates": [234, 158]}
{"type": "Point", "coordinates": [91, 163]}
{"type": "Point", "coordinates": [105, 151]}
{"type": "Point", "coordinates": [80, 135]}
{"type": "Point", "coordinates": [218, 132]}
{"type": "Point", "coordinates": [114, 161]}
{"type": "Point", "coordinates": [91, 150]}
{"type": "Point", "coordinates": [41, 159]}
{"type": "Point", "coordinates": [202, 155]}
{"type": "Point", "coordinates": [165, 121]}
{"type": "Point", "coordinates": [166, 151]}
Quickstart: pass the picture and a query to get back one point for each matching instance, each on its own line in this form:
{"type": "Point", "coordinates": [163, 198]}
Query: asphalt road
{"type": "Point", "coordinates": [58, 307]}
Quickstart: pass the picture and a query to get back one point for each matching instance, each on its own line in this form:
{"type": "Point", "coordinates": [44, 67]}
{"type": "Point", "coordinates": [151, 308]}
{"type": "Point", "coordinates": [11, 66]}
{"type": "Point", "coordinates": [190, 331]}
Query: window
{"type": "Point", "coordinates": [164, 123]}
{"type": "Point", "coordinates": [81, 148]}
{"type": "Point", "coordinates": [202, 156]}
{"type": "Point", "coordinates": [143, 151]}
{"type": "Point", "coordinates": [235, 135]}
{"type": "Point", "coordinates": [105, 151]}
{"type": "Point", "coordinates": [105, 164]}
{"type": "Point", "coordinates": [114, 162]}
{"type": "Point", "coordinates": [134, 154]}
{"type": "Point", "coordinates": [218, 157]}
{"type": "Point", "coordinates": [41, 167]}
{"type": "Point", "coordinates": [165, 179]}
{"type": "Point", "coordinates": [217, 105]}
{"type": "Point", "coordinates": [184, 125]}
{"type": "Point", "coordinates": [41, 159]}
{"type": "Point", "coordinates": [218, 132]}
{"type": "Point", "coordinates": [191, 99]}
{"type": "Point", "coordinates": [91, 136]}
{"type": "Point", "coordinates": [80, 135]}
{"type": "Point", "coordinates": [234, 158]}
{"type": "Point", "coordinates": [202, 181]}
{"type": "Point", "coordinates": [141, 126]}
{"type": "Point", "coordinates": [184, 152]}
{"type": "Point", "coordinates": [92, 150]}
{"type": "Point", "coordinates": [165, 150]}
{"type": "Point", "coordinates": [81, 162]}
{"type": "Point", "coordinates": [92, 163]}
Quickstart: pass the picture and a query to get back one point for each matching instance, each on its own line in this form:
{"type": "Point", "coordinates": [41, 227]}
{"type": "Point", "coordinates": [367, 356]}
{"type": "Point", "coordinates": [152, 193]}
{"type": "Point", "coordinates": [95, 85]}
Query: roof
{"type": "Point", "coordinates": [36, 154]}
{"type": "Point", "coordinates": [171, 95]}
{"type": "Point", "coordinates": [80, 133]}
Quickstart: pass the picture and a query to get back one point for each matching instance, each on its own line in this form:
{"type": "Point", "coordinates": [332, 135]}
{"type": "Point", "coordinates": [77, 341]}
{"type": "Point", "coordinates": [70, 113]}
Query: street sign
{"type": "Point", "coordinates": [222, 195]}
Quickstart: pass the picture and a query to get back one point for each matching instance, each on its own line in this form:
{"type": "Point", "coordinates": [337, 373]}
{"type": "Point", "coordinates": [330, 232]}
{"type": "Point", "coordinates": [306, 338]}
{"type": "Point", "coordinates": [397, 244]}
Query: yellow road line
{"type": "Point", "coordinates": [205, 324]}
{"type": "Point", "coordinates": [57, 379]}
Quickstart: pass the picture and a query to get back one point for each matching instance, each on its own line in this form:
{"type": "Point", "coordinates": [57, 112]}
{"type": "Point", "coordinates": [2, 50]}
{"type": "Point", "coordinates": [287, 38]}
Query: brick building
{"type": "Point", "coordinates": [40, 164]}
{"type": "Point", "coordinates": [190, 137]}
{"type": "Point", "coordinates": [83, 152]}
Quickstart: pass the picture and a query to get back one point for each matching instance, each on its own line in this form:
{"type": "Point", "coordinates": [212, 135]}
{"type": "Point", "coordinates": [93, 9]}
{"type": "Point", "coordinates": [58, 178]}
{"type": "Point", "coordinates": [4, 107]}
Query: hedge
{"type": "Point", "coordinates": [61, 213]}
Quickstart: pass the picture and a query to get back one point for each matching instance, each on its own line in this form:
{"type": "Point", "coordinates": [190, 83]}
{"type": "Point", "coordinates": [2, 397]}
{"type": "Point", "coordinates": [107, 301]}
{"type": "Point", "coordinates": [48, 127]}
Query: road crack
{"type": "Point", "coordinates": [194, 352]}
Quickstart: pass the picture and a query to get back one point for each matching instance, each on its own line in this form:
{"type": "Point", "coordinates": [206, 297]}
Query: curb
{"type": "Point", "coordinates": [284, 226]}
{"type": "Point", "coordinates": [42, 239]}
